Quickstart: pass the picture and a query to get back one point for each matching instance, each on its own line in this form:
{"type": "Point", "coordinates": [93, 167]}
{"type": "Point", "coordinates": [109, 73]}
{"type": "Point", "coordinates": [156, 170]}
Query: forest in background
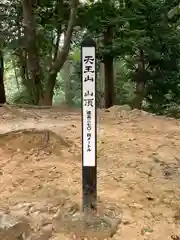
{"type": "Point", "coordinates": [138, 52]}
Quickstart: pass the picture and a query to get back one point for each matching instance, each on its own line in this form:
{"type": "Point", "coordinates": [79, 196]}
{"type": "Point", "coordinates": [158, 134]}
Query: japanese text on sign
{"type": "Point", "coordinates": [88, 78]}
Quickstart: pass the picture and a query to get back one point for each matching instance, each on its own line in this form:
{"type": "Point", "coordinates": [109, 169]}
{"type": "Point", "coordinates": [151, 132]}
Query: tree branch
{"type": "Point", "coordinates": [63, 52]}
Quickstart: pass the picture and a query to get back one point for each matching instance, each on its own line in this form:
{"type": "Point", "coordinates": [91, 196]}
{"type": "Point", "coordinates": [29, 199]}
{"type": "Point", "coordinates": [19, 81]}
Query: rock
{"type": "Point", "coordinates": [12, 228]}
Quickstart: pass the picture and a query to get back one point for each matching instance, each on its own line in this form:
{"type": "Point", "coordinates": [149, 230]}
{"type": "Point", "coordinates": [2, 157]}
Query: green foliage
{"type": "Point", "coordinates": [172, 110]}
{"type": "Point", "coordinates": [140, 24]}
{"type": "Point", "coordinates": [124, 87]}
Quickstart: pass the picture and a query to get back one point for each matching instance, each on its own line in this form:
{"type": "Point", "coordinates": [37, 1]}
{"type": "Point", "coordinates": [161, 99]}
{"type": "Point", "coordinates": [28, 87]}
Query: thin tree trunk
{"type": "Point", "coordinates": [30, 39]}
{"type": "Point", "coordinates": [140, 81]}
{"type": "Point", "coordinates": [23, 68]}
{"type": "Point", "coordinates": [21, 53]}
{"type": "Point", "coordinates": [15, 73]}
{"type": "Point", "coordinates": [2, 88]}
{"type": "Point", "coordinates": [67, 81]}
{"type": "Point", "coordinates": [62, 55]}
{"type": "Point", "coordinates": [48, 98]}
{"type": "Point", "coordinates": [102, 85]}
{"type": "Point", "coordinates": [25, 77]}
{"type": "Point", "coordinates": [108, 69]}
{"type": "Point", "coordinates": [57, 43]}
{"type": "Point", "coordinates": [109, 82]}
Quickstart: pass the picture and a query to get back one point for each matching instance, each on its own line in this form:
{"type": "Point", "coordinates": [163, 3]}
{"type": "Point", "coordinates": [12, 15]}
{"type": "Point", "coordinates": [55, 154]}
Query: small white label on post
{"type": "Point", "coordinates": [89, 106]}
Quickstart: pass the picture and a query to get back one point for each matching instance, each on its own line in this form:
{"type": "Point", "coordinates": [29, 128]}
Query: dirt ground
{"type": "Point", "coordinates": [138, 170]}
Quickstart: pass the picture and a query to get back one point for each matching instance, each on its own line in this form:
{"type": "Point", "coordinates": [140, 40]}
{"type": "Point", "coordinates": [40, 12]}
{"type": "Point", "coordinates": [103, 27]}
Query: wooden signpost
{"type": "Point", "coordinates": [89, 124]}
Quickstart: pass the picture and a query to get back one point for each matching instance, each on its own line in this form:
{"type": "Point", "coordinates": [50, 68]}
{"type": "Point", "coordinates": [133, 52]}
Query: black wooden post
{"type": "Point", "coordinates": [89, 124]}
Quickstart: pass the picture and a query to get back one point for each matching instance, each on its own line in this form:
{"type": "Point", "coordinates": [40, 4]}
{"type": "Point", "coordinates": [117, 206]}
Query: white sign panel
{"type": "Point", "coordinates": [89, 106]}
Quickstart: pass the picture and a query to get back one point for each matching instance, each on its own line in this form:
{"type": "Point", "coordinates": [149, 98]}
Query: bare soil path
{"type": "Point", "coordinates": [138, 170]}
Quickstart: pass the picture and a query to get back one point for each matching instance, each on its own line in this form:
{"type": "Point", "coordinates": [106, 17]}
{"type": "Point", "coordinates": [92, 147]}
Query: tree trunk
{"type": "Point", "coordinates": [102, 85]}
{"type": "Point", "coordinates": [15, 73]}
{"type": "Point", "coordinates": [67, 81]}
{"type": "Point", "coordinates": [108, 69]}
{"type": "Point", "coordinates": [140, 81]}
{"type": "Point", "coordinates": [30, 39]}
{"type": "Point", "coordinates": [23, 68]}
{"type": "Point", "coordinates": [62, 55]}
{"type": "Point", "coordinates": [2, 89]}
{"type": "Point", "coordinates": [47, 100]}
{"type": "Point", "coordinates": [21, 54]}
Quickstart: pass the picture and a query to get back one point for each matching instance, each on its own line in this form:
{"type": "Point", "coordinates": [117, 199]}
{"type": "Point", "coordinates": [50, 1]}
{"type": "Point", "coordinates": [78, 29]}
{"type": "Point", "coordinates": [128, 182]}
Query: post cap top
{"type": "Point", "coordinates": [88, 42]}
